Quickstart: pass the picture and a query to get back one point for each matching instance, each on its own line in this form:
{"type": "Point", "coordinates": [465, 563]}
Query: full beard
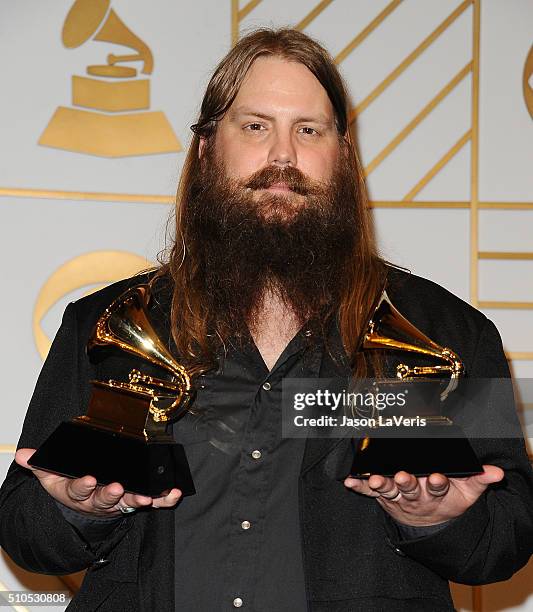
{"type": "Point", "coordinates": [246, 242]}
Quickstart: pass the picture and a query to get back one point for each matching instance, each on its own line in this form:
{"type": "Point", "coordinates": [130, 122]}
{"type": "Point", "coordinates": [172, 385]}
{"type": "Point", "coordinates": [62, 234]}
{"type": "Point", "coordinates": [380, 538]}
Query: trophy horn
{"type": "Point", "coordinates": [125, 325]}
{"type": "Point", "coordinates": [445, 450]}
{"type": "Point", "coordinates": [125, 435]}
{"type": "Point", "coordinates": [389, 329]}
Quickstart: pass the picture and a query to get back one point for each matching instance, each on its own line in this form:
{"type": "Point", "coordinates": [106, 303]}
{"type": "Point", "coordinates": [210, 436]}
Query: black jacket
{"type": "Point", "coordinates": [354, 556]}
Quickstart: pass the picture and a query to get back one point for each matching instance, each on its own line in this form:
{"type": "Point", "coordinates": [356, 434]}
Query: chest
{"type": "Point", "coordinates": [272, 336]}
{"type": "Point", "coordinates": [271, 347]}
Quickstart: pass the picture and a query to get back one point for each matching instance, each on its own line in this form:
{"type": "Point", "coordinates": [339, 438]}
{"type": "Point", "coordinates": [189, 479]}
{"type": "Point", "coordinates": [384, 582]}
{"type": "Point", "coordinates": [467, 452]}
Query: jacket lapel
{"type": "Point", "coordinates": [318, 448]}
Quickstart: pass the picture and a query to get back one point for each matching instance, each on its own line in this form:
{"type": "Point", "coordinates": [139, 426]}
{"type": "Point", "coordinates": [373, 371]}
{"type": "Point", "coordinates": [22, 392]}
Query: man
{"type": "Point", "coordinates": [273, 274]}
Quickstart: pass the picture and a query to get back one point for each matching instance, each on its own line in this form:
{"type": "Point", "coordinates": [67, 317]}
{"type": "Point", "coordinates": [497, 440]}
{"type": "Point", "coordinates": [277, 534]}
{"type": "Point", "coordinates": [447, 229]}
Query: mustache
{"type": "Point", "coordinates": [294, 178]}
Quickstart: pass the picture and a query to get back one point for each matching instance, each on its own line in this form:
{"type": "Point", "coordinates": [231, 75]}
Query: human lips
{"type": "Point", "coordinates": [279, 187]}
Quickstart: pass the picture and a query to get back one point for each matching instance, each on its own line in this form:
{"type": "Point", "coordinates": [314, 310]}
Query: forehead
{"type": "Point", "coordinates": [277, 84]}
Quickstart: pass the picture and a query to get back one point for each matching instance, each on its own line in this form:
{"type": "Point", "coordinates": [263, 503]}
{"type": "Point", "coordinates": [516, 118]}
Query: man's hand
{"type": "Point", "coordinates": [427, 500]}
{"type": "Point", "coordinates": [84, 495]}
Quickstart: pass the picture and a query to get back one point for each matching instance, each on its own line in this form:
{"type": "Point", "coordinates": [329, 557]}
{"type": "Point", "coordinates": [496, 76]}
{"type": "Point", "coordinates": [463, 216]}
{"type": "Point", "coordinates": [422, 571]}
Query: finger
{"type": "Point", "coordinates": [385, 486]}
{"type": "Point", "coordinates": [408, 485]}
{"type": "Point", "coordinates": [437, 485]}
{"type": "Point", "coordinates": [491, 474]}
{"type": "Point", "coordinates": [168, 501]}
{"type": "Point", "coordinates": [360, 486]}
{"type": "Point", "coordinates": [23, 455]}
{"type": "Point", "coordinates": [52, 482]}
{"type": "Point", "coordinates": [478, 483]}
{"type": "Point", "coordinates": [80, 489]}
{"type": "Point", "coordinates": [133, 500]}
{"type": "Point", "coordinates": [108, 496]}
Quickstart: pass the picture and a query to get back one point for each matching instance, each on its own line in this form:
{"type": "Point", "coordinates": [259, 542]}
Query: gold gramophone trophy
{"type": "Point", "coordinates": [110, 93]}
{"type": "Point", "coordinates": [123, 437]}
{"type": "Point", "coordinates": [440, 446]}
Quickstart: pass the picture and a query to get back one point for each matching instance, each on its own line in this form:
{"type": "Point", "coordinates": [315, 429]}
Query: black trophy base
{"type": "Point", "coordinates": [76, 450]}
{"type": "Point", "coordinates": [452, 456]}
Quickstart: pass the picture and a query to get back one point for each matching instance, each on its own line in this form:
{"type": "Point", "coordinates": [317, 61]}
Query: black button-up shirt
{"type": "Point", "coordinates": [238, 539]}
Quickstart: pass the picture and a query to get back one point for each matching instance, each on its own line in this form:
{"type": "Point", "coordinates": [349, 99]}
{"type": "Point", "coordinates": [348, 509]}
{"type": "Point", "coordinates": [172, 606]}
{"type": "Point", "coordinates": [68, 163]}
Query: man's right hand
{"type": "Point", "coordinates": [85, 495]}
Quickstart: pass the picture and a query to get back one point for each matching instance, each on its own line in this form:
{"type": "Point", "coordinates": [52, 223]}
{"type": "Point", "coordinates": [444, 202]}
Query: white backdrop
{"type": "Point", "coordinates": [444, 133]}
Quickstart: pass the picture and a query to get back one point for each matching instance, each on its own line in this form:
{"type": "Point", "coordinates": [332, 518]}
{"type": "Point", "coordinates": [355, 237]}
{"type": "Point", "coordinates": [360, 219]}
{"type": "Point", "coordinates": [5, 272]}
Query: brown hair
{"type": "Point", "coordinates": [194, 341]}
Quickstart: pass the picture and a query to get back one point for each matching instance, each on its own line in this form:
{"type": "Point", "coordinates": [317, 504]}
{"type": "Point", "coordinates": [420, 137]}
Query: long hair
{"type": "Point", "coordinates": [194, 339]}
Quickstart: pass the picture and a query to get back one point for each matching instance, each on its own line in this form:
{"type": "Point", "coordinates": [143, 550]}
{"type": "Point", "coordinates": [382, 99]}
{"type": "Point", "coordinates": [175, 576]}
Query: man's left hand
{"type": "Point", "coordinates": [427, 500]}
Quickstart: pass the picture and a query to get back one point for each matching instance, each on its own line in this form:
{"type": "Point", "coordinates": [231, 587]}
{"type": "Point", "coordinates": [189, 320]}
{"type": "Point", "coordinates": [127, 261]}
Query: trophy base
{"type": "Point", "coordinates": [77, 450]}
{"type": "Point", "coordinates": [452, 456]}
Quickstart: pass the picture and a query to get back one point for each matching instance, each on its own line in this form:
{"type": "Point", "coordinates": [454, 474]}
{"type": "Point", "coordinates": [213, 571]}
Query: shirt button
{"type": "Point", "coordinates": [237, 602]}
{"type": "Point", "coordinates": [246, 524]}
{"type": "Point", "coordinates": [256, 454]}
{"type": "Point", "coordinates": [308, 333]}
{"type": "Point", "coordinates": [267, 386]}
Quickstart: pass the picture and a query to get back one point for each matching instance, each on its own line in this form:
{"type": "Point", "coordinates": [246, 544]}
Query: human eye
{"type": "Point", "coordinates": [308, 131]}
{"type": "Point", "coordinates": [254, 127]}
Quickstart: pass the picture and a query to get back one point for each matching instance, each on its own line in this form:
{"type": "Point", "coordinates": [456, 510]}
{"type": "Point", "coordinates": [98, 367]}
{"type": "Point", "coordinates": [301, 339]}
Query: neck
{"type": "Point", "coordinates": [273, 327]}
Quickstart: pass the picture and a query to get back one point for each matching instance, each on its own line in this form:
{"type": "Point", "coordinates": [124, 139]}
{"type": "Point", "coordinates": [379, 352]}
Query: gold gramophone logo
{"type": "Point", "coordinates": [91, 271]}
{"type": "Point", "coordinates": [114, 93]}
{"type": "Point", "coordinates": [528, 82]}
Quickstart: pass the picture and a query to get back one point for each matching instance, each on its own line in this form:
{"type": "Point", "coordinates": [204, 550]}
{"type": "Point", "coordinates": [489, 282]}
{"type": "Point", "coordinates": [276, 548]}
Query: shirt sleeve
{"type": "Point", "coordinates": [92, 529]}
{"type": "Point", "coordinates": [493, 538]}
{"type": "Point", "coordinates": [33, 530]}
{"type": "Point", "coordinates": [408, 532]}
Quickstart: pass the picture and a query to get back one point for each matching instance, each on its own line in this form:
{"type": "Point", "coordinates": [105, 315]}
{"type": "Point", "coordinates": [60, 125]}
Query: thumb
{"type": "Point", "coordinates": [491, 474]}
{"type": "Point", "coordinates": [23, 455]}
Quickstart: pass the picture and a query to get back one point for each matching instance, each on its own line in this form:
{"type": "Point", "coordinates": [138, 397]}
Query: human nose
{"type": "Point", "coordinates": [282, 151]}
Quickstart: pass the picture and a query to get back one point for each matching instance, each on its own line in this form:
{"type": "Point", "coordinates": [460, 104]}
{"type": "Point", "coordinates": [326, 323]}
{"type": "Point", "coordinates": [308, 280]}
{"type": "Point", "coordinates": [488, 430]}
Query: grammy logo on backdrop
{"type": "Point", "coordinates": [527, 81]}
{"type": "Point", "coordinates": [112, 91]}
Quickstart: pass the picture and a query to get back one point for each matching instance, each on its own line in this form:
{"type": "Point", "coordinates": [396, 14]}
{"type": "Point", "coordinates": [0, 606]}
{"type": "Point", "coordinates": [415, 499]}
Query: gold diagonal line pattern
{"type": "Point", "coordinates": [85, 195]}
{"type": "Point", "coordinates": [247, 8]}
{"type": "Point", "coordinates": [439, 165]}
{"type": "Point", "coordinates": [450, 204]}
{"type": "Point", "coordinates": [506, 205]}
{"type": "Point", "coordinates": [234, 21]}
{"type": "Point", "coordinates": [519, 355]}
{"type": "Point", "coordinates": [418, 118]}
{"type": "Point", "coordinates": [474, 159]}
{"type": "Point", "coordinates": [505, 305]}
{"type": "Point", "coordinates": [409, 60]}
{"type": "Point", "coordinates": [417, 204]}
{"type": "Point", "coordinates": [313, 14]}
{"type": "Point", "coordinates": [504, 255]}
{"type": "Point", "coordinates": [366, 31]}
{"type": "Point", "coordinates": [59, 194]}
